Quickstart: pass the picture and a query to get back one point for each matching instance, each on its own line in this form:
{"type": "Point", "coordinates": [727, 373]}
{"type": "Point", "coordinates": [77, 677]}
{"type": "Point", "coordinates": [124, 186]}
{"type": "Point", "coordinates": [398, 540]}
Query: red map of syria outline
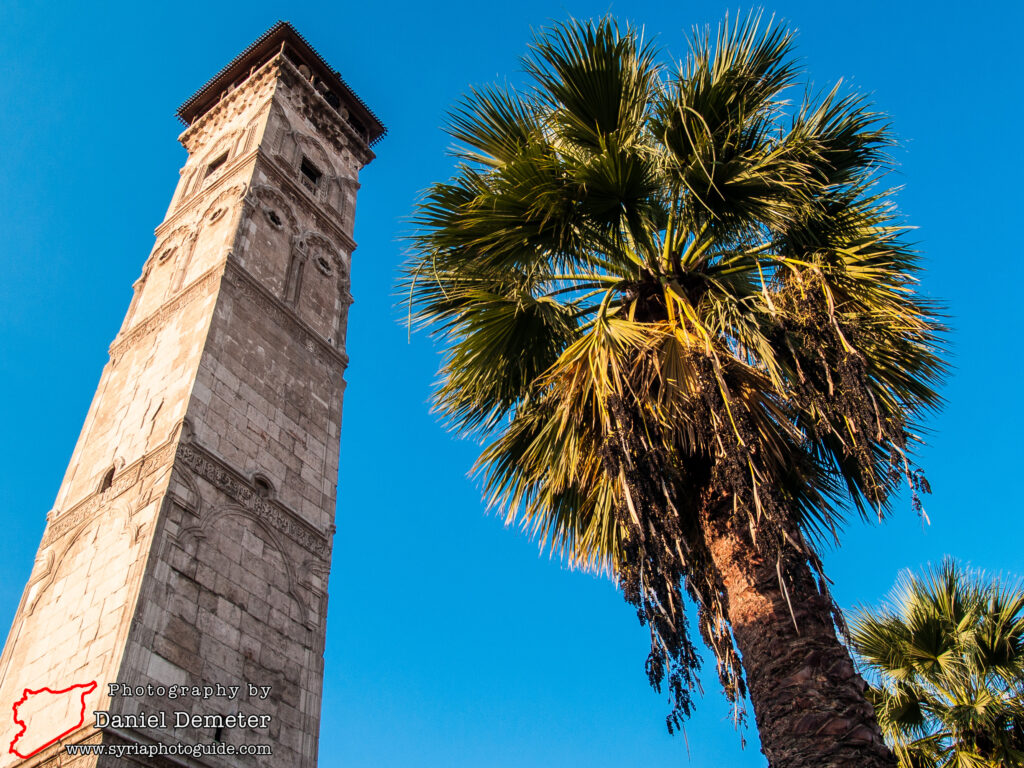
{"type": "Point", "coordinates": [86, 689]}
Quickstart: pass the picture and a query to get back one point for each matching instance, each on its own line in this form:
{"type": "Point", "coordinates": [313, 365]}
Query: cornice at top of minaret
{"type": "Point", "coordinates": [283, 38]}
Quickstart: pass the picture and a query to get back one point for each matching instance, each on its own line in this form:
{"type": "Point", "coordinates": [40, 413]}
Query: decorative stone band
{"type": "Point", "coordinates": [325, 216]}
{"type": "Point", "coordinates": [200, 288]}
{"type": "Point", "coordinates": [314, 107]}
{"type": "Point", "coordinates": [250, 288]}
{"type": "Point", "coordinates": [273, 513]}
{"type": "Point", "coordinates": [257, 87]}
{"type": "Point", "coordinates": [59, 523]}
{"type": "Point", "coordinates": [207, 466]}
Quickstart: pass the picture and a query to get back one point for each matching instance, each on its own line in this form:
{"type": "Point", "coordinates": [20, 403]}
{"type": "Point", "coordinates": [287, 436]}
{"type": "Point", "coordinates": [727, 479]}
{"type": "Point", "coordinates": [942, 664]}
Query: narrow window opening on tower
{"type": "Point", "coordinates": [310, 173]}
{"type": "Point", "coordinates": [216, 164]}
{"type": "Point", "coordinates": [263, 487]}
{"type": "Point", "coordinates": [107, 481]}
{"type": "Point", "coordinates": [218, 733]}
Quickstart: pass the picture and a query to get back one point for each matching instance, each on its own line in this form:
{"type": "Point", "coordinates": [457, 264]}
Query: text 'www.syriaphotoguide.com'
{"type": "Point", "coordinates": [155, 750]}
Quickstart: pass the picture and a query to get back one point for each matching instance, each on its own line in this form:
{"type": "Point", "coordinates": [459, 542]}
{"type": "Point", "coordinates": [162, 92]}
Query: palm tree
{"type": "Point", "coordinates": [947, 660]}
{"type": "Point", "coordinates": [684, 317]}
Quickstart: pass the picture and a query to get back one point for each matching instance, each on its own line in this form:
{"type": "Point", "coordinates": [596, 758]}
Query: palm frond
{"type": "Point", "coordinates": [947, 662]}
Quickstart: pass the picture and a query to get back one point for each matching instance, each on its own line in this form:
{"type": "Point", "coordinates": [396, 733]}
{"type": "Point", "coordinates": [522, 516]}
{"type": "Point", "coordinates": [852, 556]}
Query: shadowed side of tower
{"type": "Point", "coordinates": [190, 543]}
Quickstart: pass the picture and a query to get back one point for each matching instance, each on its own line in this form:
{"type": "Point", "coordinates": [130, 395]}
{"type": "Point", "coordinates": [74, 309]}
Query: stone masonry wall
{"type": "Point", "coordinates": [191, 538]}
{"type": "Point", "coordinates": [236, 592]}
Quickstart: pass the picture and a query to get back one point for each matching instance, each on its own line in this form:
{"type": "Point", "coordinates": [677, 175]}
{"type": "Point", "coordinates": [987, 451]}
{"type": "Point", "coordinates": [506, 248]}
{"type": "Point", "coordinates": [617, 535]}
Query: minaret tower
{"type": "Point", "coordinates": [190, 542]}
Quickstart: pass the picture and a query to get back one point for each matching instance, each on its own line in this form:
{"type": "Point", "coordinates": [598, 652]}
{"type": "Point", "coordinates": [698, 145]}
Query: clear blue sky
{"type": "Point", "coordinates": [450, 641]}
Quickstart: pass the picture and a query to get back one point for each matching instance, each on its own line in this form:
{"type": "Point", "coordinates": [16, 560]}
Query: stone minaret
{"type": "Point", "coordinates": [190, 541]}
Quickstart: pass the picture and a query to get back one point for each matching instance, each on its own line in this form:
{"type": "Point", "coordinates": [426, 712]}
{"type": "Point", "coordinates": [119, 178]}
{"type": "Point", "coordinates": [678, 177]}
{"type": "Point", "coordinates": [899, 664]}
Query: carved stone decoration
{"type": "Point", "coordinates": [229, 195]}
{"type": "Point", "coordinates": [226, 144]}
{"type": "Point", "coordinates": [173, 239]}
{"type": "Point", "coordinates": [314, 150]}
{"type": "Point", "coordinates": [158, 457]}
{"type": "Point", "coordinates": [346, 301]}
{"type": "Point", "coordinates": [258, 88]}
{"type": "Point", "coordinates": [271, 512]}
{"type": "Point", "coordinates": [311, 240]}
{"type": "Point", "coordinates": [279, 140]}
{"type": "Point", "coordinates": [270, 199]}
{"type": "Point", "coordinates": [293, 277]}
{"type": "Point", "coordinates": [59, 523]}
{"type": "Point", "coordinates": [87, 507]}
{"type": "Point", "coordinates": [327, 218]}
{"type": "Point", "coordinates": [199, 289]}
{"type": "Point", "coordinates": [251, 130]}
{"type": "Point", "coordinates": [296, 147]}
{"type": "Point", "coordinates": [188, 245]}
{"type": "Point", "coordinates": [247, 287]}
{"type": "Point", "coordinates": [338, 131]}
{"type": "Point", "coordinates": [309, 246]}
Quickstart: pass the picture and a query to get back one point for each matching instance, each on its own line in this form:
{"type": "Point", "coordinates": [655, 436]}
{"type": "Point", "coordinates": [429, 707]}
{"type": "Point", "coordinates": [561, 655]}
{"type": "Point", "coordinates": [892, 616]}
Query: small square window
{"type": "Point", "coordinates": [310, 173]}
{"type": "Point", "coordinates": [216, 164]}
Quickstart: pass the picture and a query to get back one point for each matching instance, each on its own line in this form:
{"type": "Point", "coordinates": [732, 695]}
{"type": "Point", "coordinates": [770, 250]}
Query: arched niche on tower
{"type": "Point", "coordinates": [268, 230]}
{"type": "Point", "coordinates": [313, 150]}
{"type": "Point", "coordinates": [215, 160]}
{"type": "Point", "coordinates": [214, 234]}
{"type": "Point", "coordinates": [345, 204]}
{"type": "Point", "coordinates": [207, 165]}
{"type": "Point", "coordinates": [316, 273]}
{"type": "Point", "coordinates": [278, 136]}
{"type": "Point", "coordinates": [184, 490]}
{"type": "Point", "coordinates": [313, 169]}
{"type": "Point", "coordinates": [252, 135]}
{"type": "Point", "coordinates": [170, 252]}
{"type": "Point", "coordinates": [231, 534]}
{"type": "Point", "coordinates": [137, 288]}
{"type": "Point", "coordinates": [73, 567]}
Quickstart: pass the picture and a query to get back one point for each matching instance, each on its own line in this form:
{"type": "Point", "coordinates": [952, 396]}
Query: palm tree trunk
{"type": "Point", "coordinates": [808, 698]}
